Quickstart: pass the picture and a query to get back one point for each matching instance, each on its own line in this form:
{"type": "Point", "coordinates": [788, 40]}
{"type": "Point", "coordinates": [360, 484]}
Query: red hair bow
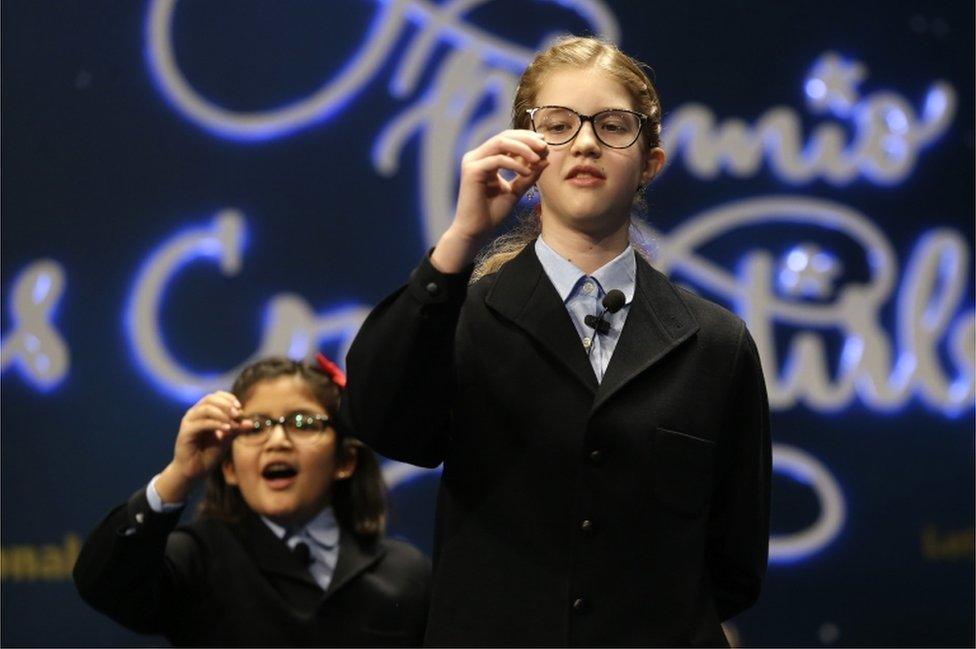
{"type": "Point", "coordinates": [331, 370]}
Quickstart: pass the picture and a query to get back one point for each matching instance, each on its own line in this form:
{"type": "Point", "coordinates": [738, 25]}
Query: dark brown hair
{"type": "Point", "coordinates": [359, 501]}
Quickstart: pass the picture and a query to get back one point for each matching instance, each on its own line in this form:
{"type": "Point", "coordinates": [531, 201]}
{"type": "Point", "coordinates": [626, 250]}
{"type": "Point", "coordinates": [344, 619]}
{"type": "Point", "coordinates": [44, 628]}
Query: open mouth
{"type": "Point", "coordinates": [279, 474]}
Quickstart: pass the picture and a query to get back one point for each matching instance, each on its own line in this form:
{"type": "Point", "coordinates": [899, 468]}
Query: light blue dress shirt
{"type": "Point", "coordinates": [583, 295]}
{"type": "Point", "coordinates": [321, 535]}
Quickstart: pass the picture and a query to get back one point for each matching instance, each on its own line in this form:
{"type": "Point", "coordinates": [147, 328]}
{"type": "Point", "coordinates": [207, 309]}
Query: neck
{"type": "Point", "coordinates": [588, 251]}
{"type": "Point", "coordinates": [296, 519]}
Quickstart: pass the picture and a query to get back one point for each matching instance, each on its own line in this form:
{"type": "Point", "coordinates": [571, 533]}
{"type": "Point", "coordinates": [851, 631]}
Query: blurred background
{"type": "Point", "coordinates": [188, 186]}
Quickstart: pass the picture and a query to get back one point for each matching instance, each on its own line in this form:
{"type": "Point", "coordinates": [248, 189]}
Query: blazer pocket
{"type": "Point", "coordinates": [683, 467]}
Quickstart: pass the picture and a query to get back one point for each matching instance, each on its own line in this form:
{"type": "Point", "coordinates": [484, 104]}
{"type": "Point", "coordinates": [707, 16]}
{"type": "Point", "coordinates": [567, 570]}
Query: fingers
{"type": "Point", "coordinates": [236, 428]}
{"type": "Point", "coordinates": [227, 401]}
{"type": "Point", "coordinates": [210, 411]}
{"type": "Point", "coordinates": [485, 193]}
{"type": "Point", "coordinates": [194, 429]}
{"type": "Point", "coordinates": [225, 437]}
{"type": "Point", "coordinates": [525, 147]}
{"type": "Point", "coordinates": [530, 147]}
{"type": "Point", "coordinates": [217, 413]}
{"type": "Point", "coordinates": [521, 184]}
{"type": "Point", "coordinates": [492, 164]}
{"type": "Point", "coordinates": [534, 140]}
{"type": "Point", "coordinates": [217, 404]}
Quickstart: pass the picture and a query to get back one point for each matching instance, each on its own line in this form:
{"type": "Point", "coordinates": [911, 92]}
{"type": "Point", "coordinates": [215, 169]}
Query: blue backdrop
{"type": "Point", "coordinates": [187, 186]}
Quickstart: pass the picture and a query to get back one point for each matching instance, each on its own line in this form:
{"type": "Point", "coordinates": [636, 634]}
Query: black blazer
{"type": "Point", "coordinates": [211, 583]}
{"type": "Point", "coordinates": [631, 512]}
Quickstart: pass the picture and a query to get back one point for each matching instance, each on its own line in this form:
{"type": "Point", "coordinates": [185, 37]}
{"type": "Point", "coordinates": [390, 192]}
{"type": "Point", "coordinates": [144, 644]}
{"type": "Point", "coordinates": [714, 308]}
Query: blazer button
{"type": "Point", "coordinates": [586, 526]}
{"type": "Point", "coordinates": [596, 457]}
{"type": "Point", "coordinates": [432, 289]}
{"type": "Point", "coordinates": [579, 605]}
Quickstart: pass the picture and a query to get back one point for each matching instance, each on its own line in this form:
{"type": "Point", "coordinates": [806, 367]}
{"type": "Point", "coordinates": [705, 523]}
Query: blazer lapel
{"type": "Point", "coordinates": [524, 295]}
{"type": "Point", "coordinates": [271, 554]}
{"type": "Point", "coordinates": [658, 322]}
{"type": "Point", "coordinates": [353, 559]}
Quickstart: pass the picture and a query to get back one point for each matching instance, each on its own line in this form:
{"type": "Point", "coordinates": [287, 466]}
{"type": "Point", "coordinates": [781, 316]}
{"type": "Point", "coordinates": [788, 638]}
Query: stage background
{"type": "Point", "coordinates": [187, 186]}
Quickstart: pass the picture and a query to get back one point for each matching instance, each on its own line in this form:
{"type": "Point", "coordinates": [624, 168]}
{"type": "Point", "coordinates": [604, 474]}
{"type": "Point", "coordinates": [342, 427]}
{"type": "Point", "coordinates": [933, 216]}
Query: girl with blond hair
{"type": "Point", "coordinates": [603, 433]}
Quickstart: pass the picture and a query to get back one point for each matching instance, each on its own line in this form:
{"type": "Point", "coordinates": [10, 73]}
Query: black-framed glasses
{"type": "Point", "coordinates": [616, 128]}
{"type": "Point", "coordinates": [301, 427]}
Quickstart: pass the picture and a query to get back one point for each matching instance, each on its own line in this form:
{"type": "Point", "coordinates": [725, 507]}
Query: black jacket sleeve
{"type": "Point", "coordinates": [136, 569]}
{"type": "Point", "coordinates": [738, 538]}
{"type": "Point", "coordinates": [400, 367]}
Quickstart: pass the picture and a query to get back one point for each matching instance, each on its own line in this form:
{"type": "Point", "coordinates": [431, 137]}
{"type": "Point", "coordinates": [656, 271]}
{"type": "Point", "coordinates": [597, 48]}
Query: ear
{"type": "Point", "coordinates": [345, 468]}
{"type": "Point", "coordinates": [653, 163]}
{"type": "Point", "coordinates": [227, 468]}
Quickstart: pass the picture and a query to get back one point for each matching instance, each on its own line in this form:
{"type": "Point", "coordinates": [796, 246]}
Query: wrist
{"type": "Point", "coordinates": [172, 486]}
{"type": "Point", "coordinates": [455, 250]}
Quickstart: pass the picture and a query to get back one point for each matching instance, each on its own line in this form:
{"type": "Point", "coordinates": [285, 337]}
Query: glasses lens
{"type": "Point", "coordinates": [303, 427]}
{"type": "Point", "coordinates": [258, 432]}
{"type": "Point", "coordinates": [300, 426]}
{"type": "Point", "coordinates": [556, 125]}
{"type": "Point", "coordinates": [617, 128]}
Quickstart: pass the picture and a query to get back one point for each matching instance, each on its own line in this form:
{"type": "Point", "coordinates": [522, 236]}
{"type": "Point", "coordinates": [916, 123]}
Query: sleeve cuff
{"type": "Point", "coordinates": [142, 520]}
{"type": "Point", "coordinates": [430, 286]}
{"type": "Point", "coordinates": [156, 501]}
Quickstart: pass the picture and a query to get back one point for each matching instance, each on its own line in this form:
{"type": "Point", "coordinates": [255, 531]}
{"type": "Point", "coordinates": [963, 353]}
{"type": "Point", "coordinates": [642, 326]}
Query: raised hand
{"type": "Point", "coordinates": [485, 198]}
{"type": "Point", "coordinates": [205, 434]}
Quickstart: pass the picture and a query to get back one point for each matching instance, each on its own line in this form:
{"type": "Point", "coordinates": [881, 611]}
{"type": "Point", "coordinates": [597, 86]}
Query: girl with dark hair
{"type": "Point", "coordinates": [604, 433]}
{"type": "Point", "coordinates": [288, 546]}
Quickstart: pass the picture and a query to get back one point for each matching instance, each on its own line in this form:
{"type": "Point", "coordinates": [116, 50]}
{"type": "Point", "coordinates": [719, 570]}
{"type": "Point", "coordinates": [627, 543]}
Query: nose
{"type": "Point", "coordinates": [278, 437]}
{"type": "Point", "coordinates": [585, 142]}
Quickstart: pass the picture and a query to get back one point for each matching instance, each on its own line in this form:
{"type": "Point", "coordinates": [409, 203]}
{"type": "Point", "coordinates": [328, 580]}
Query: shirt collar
{"type": "Point", "coordinates": [618, 273]}
{"type": "Point", "coordinates": [278, 530]}
{"type": "Point", "coordinates": [323, 529]}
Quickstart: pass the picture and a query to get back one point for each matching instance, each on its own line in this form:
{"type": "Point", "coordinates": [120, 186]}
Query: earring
{"type": "Point", "coordinates": [640, 199]}
{"type": "Point", "coordinates": [532, 194]}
